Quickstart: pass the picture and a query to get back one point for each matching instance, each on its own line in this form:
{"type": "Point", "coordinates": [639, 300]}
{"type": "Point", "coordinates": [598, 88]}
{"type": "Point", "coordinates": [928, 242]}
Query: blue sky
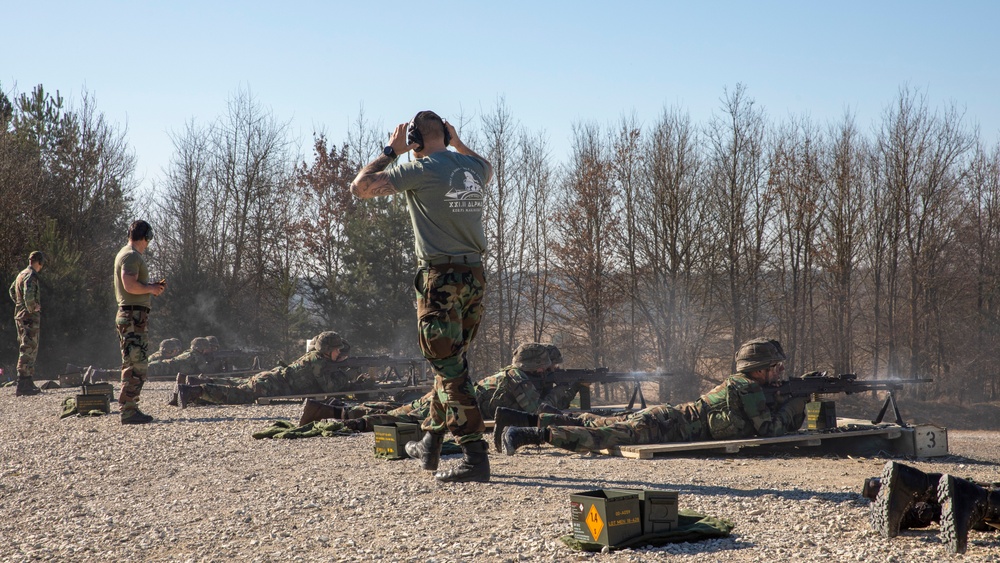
{"type": "Point", "coordinates": [155, 66]}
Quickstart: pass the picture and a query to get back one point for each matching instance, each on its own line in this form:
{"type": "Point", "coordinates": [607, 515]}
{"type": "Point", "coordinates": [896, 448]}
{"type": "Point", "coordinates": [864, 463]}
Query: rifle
{"type": "Point", "coordinates": [585, 377]}
{"type": "Point", "coordinates": [818, 383]}
{"type": "Point", "coordinates": [409, 371]}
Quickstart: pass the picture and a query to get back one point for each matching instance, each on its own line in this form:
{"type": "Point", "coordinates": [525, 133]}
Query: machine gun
{"type": "Point", "coordinates": [585, 377]}
{"type": "Point", "coordinates": [402, 371]}
{"type": "Point", "coordinates": [818, 383]}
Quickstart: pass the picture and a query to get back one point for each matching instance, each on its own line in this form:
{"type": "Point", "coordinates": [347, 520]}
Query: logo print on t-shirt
{"type": "Point", "coordinates": [470, 188]}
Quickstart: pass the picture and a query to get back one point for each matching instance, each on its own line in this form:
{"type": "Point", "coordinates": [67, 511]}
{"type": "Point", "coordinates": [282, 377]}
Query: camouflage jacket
{"type": "Point", "coordinates": [25, 293]}
{"type": "Point", "coordinates": [311, 373]}
{"type": "Point", "coordinates": [510, 388]}
{"type": "Point", "coordinates": [737, 408]}
{"type": "Point", "coordinates": [191, 362]}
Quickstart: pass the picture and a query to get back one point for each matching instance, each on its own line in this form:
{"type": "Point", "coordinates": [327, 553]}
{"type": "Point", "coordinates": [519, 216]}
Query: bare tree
{"type": "Point", "coordinates": [584, 221]}
{"type": "Point", "coordinates": [673, 247]}
{"type": "Point", "coordinates": [796, 177]}
{"type": "Point", "coordinates": [844, 198]}
{"type": "Point", "coordinates": [742, 203]}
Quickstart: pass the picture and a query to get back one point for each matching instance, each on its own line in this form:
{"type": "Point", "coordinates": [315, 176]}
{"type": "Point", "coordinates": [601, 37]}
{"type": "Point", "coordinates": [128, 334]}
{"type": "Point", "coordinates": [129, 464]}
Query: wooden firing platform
{"type": "Point", "coordinates": [359, 392]}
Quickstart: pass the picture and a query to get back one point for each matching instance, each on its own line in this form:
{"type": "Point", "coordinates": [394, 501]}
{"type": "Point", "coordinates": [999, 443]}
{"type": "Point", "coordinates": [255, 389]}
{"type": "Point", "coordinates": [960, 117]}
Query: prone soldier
{"type": "Point", "coordinates": [314, 372]}
{"type": "Point", "coordinates": [169, 348]}
{"type": "Point", "coordinates": [737, 408]}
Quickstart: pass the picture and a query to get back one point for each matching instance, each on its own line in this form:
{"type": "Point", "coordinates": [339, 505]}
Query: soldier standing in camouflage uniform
{"type": "Point", "coordinates": [25, 293]}
{"type": "Point", "coordinates": [314, 372]}
{"type": "Point", "coordinates": [737, 408]}
{"type": "Point", "coordinates": [444, 196]}
{"type": "Point", "coordinates": [133, 292]}
{"type": "Point", "coordinates": [169, 349]}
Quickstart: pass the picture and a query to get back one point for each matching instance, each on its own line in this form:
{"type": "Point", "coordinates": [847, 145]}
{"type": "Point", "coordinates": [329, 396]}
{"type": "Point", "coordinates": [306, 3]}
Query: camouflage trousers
{"type": "Point", "coordinates": [132, 326]}
{"type": "Point", "coordinates": [449, 309]}
{"type": "Point", "coordinates": [655, 425]}
{"type": "Point", "coordinates": [28, 328]}
{"type": "Point", "coordinates": [246, 392]}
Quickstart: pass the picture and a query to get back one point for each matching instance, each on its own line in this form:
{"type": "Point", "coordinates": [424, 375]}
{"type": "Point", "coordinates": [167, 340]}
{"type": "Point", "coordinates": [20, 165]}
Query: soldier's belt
{"type": "Point", "coordinates": [461, 259]}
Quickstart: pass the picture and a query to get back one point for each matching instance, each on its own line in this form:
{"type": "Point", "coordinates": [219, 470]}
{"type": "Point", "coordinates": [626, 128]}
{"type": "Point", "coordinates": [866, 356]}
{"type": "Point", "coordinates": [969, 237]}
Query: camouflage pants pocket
{"type": "Point", "coordinates": [131, 327]}
{"type": "Point", "coordinates": [27, 338]}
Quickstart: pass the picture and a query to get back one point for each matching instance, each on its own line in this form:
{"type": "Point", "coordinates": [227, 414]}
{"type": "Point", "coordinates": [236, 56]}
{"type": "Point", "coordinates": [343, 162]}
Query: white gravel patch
{"type": "Point", "coordinates": [195, 486]}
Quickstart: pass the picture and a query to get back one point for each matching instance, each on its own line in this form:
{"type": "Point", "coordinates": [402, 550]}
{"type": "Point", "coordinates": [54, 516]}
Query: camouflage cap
{"type": "Point", "coordinates": [758, 353]}
{"type": "Point", "coordinates": [172, 344]}
{"type": "Point", "coordinates": [200, 344]}
{"type": "Point", "coordinates": [532, 356]}
{"type": "Point", "coordinates": [328, 341]}
{"type": "Point", "coordinates": [213, 341]}
{"type": "Point", "coordinates": [37, 257]}
{"type": "Point", "coordinates": [555, 356]}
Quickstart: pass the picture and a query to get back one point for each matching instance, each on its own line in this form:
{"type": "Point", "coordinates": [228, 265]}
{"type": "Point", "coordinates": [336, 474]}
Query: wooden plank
{"type": "Point", "coordinates": [269, 400]}
{"type": "Point", "coordinates": [733, 446]}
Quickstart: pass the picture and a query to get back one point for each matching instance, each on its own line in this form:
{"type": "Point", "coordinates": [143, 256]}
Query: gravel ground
{"type": "Point", "coordinates": [194, 486]}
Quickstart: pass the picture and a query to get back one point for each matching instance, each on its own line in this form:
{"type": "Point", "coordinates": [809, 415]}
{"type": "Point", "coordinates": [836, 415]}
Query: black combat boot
{"type": "Point", "coordinates": [25, 387]}
{"type": "Point", "coordinates": [188, 394]}
{"type": "Point", "coordinates": [474, 467]}
{"type": "Point", "coordinates": [515, 437]}
{"type": "Point", "coordinates": [427, 450]}
{"type": "Point", "coordinates": [505, 417]}
{"type": "Point", "coordinates": [964, 506]}
{"type": "Point", "coordinates": [901, 488]}
{"type": "Point", "coordinates": [135, 416]}
{"type": "Point", "coordinates": [180, 379]}
{"type": "Point", "coordinates": [357, 425]}
{"type": "Point", "coordinates": [313, 410]}
{"type": "Point", "coordinates": [920, 515]}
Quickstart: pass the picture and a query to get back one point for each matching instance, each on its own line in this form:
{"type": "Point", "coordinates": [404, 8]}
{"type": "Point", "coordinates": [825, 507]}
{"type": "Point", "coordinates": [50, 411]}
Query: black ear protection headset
{"type": "Point", "coordinates": [140, 230]}
{"type": "Point", "coordinates": [415, 137]}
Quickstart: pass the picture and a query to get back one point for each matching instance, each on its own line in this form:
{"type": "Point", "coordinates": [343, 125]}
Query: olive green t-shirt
{"type": "Point", "coordinates": [131, 261]}
{"type": "Point", "coordinates": [444, 194]}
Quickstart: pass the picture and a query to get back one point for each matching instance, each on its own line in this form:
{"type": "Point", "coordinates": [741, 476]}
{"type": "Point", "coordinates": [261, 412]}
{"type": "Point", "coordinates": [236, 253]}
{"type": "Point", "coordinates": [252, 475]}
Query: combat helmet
{"type": "Point", "coordinates": [201, 344]}
{"type": "Point", "coordinates": [327, 342]}
{"type": "Point", "coordinates": [757, 354]}
{"type": "Point", "coordinates": [213, 342]}
{"type": "Point", "coordinates": [531, 356]}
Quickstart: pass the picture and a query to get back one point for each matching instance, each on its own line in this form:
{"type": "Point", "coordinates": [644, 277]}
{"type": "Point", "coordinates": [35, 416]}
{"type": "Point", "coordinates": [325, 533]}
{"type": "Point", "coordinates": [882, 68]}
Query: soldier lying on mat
{"type": "Point", "coordinates": [314, 372]}
{"type": "Point", "coordinates": [737, 408]}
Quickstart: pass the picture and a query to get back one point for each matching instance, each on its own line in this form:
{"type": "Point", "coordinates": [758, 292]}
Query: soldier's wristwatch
{"type": "Point", "coordinates": [388, 151]}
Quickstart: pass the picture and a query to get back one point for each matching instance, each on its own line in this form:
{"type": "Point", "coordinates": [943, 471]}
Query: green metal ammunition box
{"type": "Point", "coordinates": [391, 439]}
{"type": "Point", "coordinates": [606, 516]}
{"type": "Point", "coordinates": [657, 508]}
{"type": "Point", "coordinates": [99, 389]}
{"type": "Point", "coordinates": [821, 415]}
{"type": "Point", "coordinates": [87, 403]}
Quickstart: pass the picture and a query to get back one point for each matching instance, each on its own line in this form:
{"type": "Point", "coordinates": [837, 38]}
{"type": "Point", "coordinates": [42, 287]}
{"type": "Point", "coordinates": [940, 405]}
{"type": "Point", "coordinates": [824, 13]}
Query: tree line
{"type": "Point", "coordinates": [653, 244]}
